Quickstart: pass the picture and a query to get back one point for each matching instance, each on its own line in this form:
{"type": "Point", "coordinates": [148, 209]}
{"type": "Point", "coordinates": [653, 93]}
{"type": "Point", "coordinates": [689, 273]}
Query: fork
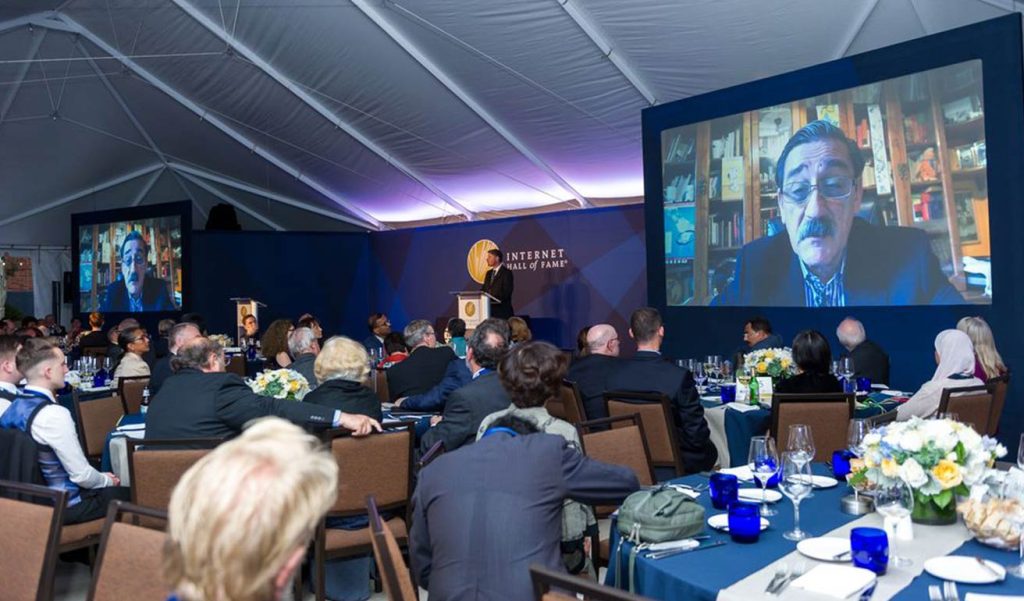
{"type": "Point", "coordinates": [949, 591]}
{"type": "Point", "coordinates": [935, 593]}
{"type": "Point", "coordinates": [780, 572]}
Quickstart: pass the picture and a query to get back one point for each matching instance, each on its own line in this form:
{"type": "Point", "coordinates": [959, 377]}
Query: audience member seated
{"type": "Point", "coordinates": [94, 338]}
{"type": "Point", "coordinates": [456, 375]}
{"type": "Point", "coordinates": [114, 350]}
{"type": "Point", "coordinates": [532, 375]}
{"type": "Point", "coordinates": [426, 363]}
{"type": "Point", "coordinates": [869, 360]}
{"type": "Point", "coordinates": [201, 400]}
{"type": "Point", "coordinates": [647, 371]}
{"type": "Point", "coordinates": [8, 327]}
{"type": "Point", "coordinates": [379, 326]}
{"type": "Point", "coordinates": [469, 405]}
{"type": "Point", "coordinates": [303, 346]}
{"type": "Point", "coordinates": [394, 347]}
{"type": "Point", "coordinates": [274, 344]}
{"type": "Point", "coordinates": [954, 354]}
{"type": "Point", "coordinates": [757, 334]}
{"type": "Point", "coordinates": [522, 478]}
{"type": "Point", "coordinates": [342, 368]}
{"type": "Point", "coordinates": [73, 334]}
{"type": "Point", "coordinates": [9, 374]}
{"type": "Point", "coordinates": [988, 363]}
{"type": "Point", "coordinates": [36, 411]}
{"type": "Point", "coordinates": [519, 331]}
{"type": "Point", "coordinates": [582, 346]}
{"type": "Point", "coordinates": [241, 519]}
{"type": "Point", "coordinates": [592, 369]}
{"type": "Point", "coordinates": [308, 321]}
{"type": "Point", "coordinates": [52, 327]}
{"type": "Point", "coordinates": [176, 338]}
{"type": "Point", "coordinates": [813, 358]}
{"type": "Point", "coordinates": [455, 336]}
{"type": "Point", "coordinates": [135, 343]}
{"type": "Point", "coordinates": [197, 319]}
{"type": "Point", "coordinates": [162, 343]}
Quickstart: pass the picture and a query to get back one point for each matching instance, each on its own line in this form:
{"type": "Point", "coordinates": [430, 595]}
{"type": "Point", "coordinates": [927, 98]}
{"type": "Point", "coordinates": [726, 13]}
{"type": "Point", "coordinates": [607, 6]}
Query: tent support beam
{"type": "Point", "coordinates": [148, 186]}
{"type": "Point", "coordinates": [37, 41]}
{"type": "Point", "coordinates": [855, 29]}
{"type": "Point", "coordinates": [1007, 5]}
{"type": "Point", "coordinates": [308, 99]}
{"type": "Point", "coordinates": [360, 218]}
{"type": "Point", "coordinates": [244, 187]}
{"type": "Point", "coordinates": [110, 183]}
{"type": "Point", "coordinates": [41, 19]}
{"type": "Point", "coordinates": [370, 9]}
{"type": "Point", "coordinates": [604, 44]}
{"type": "Point", "coordinates": [233, 202]}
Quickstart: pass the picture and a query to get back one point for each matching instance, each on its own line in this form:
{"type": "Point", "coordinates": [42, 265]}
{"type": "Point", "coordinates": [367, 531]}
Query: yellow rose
{"type": "Point", "coordinates": [948, 474]}
{"type": "Point", "coordinates": [762, 367]}
{"type": "Point", "coordinates": [294, 386]}
{"type": "Point", "coordinates": [786, 363]}
{"type": "Point", "coordinates": [890, 469]}
{"type": "Point", "coordinates": [769, 355]}
{"type": "Point", "coordinates": [857, 465]}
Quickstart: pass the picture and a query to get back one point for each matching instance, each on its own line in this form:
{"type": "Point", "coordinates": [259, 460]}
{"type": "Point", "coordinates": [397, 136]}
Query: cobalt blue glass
{"type": "Point", "coordinates": [773, 482]}
{"type": "Point", "coordinates": [728, 392]}
{"type": "Point", "coordinates": [744, 522]}
{"type": "Point", "coordinates": [100, 379]}
{"type": "Point", "coordinates": [841, 463]}
{"type": "Point", "coordinates": [724, 490]}
{"type": "Point", "coordinates": [870, 548]}
{"type": "Point", "coordinates": [863, 384]}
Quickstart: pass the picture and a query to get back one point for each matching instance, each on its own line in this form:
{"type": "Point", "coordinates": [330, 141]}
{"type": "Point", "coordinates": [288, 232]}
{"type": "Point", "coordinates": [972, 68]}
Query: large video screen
{"type": "Point", "coordinates": [870, 196]}
{"type": "Point", "coordinates": [130, 266]}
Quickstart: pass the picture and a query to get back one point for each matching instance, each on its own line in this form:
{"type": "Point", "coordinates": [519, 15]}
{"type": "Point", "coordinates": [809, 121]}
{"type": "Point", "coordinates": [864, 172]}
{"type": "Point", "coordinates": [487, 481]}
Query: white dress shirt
{"type": "Point", "coordinates": [54, 428]}
{"type": "Point", "coordinates": [4, 403]}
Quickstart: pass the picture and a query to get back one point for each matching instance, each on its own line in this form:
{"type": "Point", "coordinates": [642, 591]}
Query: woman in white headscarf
{"type": "Point", "coordinates": [955, 355]}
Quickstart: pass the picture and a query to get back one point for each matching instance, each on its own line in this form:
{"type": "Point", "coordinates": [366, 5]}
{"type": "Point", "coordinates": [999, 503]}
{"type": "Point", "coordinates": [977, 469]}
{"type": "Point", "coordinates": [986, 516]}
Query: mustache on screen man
{"type": "Point", "coordinates": [828, 256]}
{"type": "Point", "coordinates": [135, 290]}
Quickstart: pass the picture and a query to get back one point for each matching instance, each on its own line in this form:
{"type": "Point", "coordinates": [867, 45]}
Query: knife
{"type": "Point", "coordinates": [664, 554]}
{"type": "Point", "coordinates": [989, 569]}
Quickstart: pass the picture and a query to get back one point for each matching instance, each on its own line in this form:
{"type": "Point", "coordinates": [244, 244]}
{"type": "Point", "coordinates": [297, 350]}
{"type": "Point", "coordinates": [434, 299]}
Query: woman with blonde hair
{"type": "Point", "coordinates": [988, 363]}
{"type": "Point", "coordinates": [520, 332]}
{"type": "Point", "coordinates": [342, 368]}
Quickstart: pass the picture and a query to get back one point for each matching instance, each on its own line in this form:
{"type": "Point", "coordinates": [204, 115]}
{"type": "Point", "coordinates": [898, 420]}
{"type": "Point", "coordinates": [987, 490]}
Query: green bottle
{"type": "Point", "coordinates": [754, 400]}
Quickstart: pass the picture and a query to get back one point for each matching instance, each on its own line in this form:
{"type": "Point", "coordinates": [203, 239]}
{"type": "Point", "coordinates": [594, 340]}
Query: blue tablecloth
{"type": "Point", "coordinates": [700, 575]}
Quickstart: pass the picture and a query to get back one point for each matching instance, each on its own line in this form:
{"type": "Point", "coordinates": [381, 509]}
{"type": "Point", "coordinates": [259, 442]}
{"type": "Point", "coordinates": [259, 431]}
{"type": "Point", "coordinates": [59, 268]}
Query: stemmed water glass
{"type": "Point", "coordinates": [763, 462]}
{"type": "Point", "coordinates": [1020, 453]}
{"type": "Point", "coordinates": [795, 484]}
{"type": "Point", "coordinates": [700, 376]}
{"type": "Point", "coordinates": [713, 366]}
{"type": "Point", "coordinates": [895, 501]}
{"type": "Point", "coordinates": [725, 372]}
{"type": "Point", "coordinates": [846, 371]}
{"type": "Point", "coordinates": [855, 434]}
{"type": "Point", "coordinates": [801, 442]}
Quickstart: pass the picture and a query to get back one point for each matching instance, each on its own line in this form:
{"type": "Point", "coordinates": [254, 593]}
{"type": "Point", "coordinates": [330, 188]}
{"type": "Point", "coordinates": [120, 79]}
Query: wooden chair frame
{"type": "Point", "coordinates": [969, 391]}
{"type": "Point", "coordinates": [998, 387]}
{"type": "Point", "coordinates": [781, 398]}
{"type": "Point", "coordinates": [120, 391]}
{"type": "Point", "coordinates": [669, 416]}
{"type": "Point", "coordinates": [386, 565]}
{"type": "Point", "coordinates": [166, 445]}
{"type": "Point", "coordinates": [114, 513]}
{"type": "Point", "coordinates": [435, 451]}
{"type": "Point", "coordinates": [80, 424]}
{"type": "Point", "coordinates": [47, 575]}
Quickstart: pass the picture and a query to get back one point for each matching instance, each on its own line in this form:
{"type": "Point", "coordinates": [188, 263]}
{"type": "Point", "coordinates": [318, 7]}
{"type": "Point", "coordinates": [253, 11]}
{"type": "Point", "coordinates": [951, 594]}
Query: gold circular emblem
{"type": "Point", "coordinates": [470, 309]}
{"type": "Point", "coordinates": [476, 260]}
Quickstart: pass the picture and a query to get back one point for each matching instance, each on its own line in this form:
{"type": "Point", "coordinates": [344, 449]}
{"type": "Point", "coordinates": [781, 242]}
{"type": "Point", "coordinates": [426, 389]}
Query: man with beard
{"type": "Point", "coordinates": [829, 257]}
{"type": "Point", "coordinates": [134, 291]}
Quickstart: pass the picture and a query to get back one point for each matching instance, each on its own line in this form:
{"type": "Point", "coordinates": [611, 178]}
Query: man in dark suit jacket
{"type": "Point", "coordinates": [521, 478]}
{"type": "Point", "coordinates": [591, 371]}
{"type": "Point", "coordinates": [178, 336]}
{"type": "Point", "coordinates": [202, 401]}
{"type": "Point", "coordinates": [649, 372]}
{"type": "Point", "coordinates": [456, 376]}
{"type": "Point", "coordinates": [426, 363]}
{"type": "Point", "coordinates": [379, 326]}
{"type": "Point", "coordinates": [134, 290]}
{"type": "Point", "coordinates": [499, 283]}
{"type": "Point", "coordinates": [869, 360]}
{"type": "Point", "coordinates": [469, 405]}
{"type": "Point", "coordinates": [829, 258]}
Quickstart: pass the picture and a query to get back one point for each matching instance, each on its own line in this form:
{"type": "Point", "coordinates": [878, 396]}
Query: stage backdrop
{"type": "Point", "coordinates": [571, 269]}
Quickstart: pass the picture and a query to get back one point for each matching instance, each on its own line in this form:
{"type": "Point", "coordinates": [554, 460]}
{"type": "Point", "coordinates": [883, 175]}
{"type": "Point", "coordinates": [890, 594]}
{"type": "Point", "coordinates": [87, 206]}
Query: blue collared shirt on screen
{"type": "Point", "coordinates": [830, 294]}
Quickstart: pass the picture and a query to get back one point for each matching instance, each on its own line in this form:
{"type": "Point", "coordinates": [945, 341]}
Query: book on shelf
{"type": "Point", "coordinates": [868, 175]}
{"type": "Point", "coordinates": [968, 156]}
{"type": "Point", "coordinates": [680, 149]}
{"type": "Point", "coordinates": [733, 178]}
{"type": "Point", "coordinates": [724, 230]}
{"type": "Point", "coordinates": [927, 205]}
{"type": "Point", "coordinates": [680, 189]}
{"type": "Point", "coordinates": [962, 110]}
{"type": "Point", "coordinates": [863, 134]}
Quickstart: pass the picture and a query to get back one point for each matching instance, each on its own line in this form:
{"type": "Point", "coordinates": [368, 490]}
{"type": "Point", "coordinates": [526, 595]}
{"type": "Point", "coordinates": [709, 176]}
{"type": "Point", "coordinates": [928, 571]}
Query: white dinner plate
{"type": "Point", "coordinates": [823, 481]}
{"type": "Point", "coordinates": [754, 495]}
{"type": "Point", "coordinates": [826, 548]}
{"type": "Point", "coordinates": [964, 569]}
{"type": "Point", "coordinates": [720, 521]}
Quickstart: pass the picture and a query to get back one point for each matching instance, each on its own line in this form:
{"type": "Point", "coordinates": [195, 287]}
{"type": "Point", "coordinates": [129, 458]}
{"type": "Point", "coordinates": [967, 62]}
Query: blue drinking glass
{"type": "Point", "coordinates": [841, 463]}
{"type": "Point", "coordinates": [724, 490]}
{"type": "Point", "coordinates": [728, 392]}
{"type": "Point", "coordinates": [863, 384]}
{"type": "Point", "coordinates": [870, 548]}
{"type": "Point", "coordinates": [745, 522]}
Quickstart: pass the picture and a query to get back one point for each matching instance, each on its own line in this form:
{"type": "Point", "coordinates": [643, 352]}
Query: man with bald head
{"type": "Point", "coordinates": [591, 371]}
{"type": "Point", "coordinates": [869, 360]}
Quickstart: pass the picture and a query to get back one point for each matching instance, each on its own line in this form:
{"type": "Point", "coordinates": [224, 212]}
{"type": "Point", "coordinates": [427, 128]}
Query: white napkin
{"type": "Point", "coordinates": [985, 597]}
{"type": "Point", "coordinates": [742, 472]}
{"type": "Point", "coordinates": [742, 407]}
{"type": "Point", "coordinates": [672, 545]}
{"type": "Point", "coordinates": [693, 494]}
{"type": "Point", "coordinates": [834, 580]}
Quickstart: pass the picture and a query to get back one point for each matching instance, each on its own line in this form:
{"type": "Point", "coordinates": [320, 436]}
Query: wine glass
{"type": "Point", "coordinates": [895, 501]}
{"type": "Point", "coordinates": [795, 484]}
{"type": "Point", "coordinates": [801, 443]}
{"type": "Point", "coordinates": [855, 434]}
{"type": "Point", "coordinates": [700, 376]}
{"type": "Point", "coordinates": [846, 370]}
{"type": "Point", "coordinates": [726, 371]}
{"type": "Point", "coordinates": [1020, 453]}
{"type": "Point", "coordinates": [763, 462]}
{"type": "Point", "coordinates": [1017, 570]}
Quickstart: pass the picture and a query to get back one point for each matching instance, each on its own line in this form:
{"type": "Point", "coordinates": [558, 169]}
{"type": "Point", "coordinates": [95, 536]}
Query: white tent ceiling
{"type": "Point", "coordinates": [339, 114]}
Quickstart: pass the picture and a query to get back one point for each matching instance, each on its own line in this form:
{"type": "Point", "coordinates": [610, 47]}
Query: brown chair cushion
{"type": "Point", "coordinates": [131, 566]}
{"type": "Point", "coordinates": [98, 418]}
{"type": "Point", "coordinates": [375, 465]}
{"type": "Point", "coordinates": [972, 409]}
{"type": "Point", "coordinates": [829, 422]}
{"type": "Point", "coordinates": [346, 539]}
{"type": "Point", "coordinates": [621, 445]}
{"type": "Point", "coordinates": [23, 538]}
{"type": "Point", "coordinates": [656, 428]}
{"type": "Point", "coordinates": [132, 389]}
{"type": "Point", "coordinates": [72, 533]}
{"type": "Point", "coordinates": [155, 473]}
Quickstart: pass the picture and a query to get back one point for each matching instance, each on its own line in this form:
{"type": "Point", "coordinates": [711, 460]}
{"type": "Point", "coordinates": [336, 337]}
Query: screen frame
{"type": "Point", "coordinates": [997, 43]}
{"type": "Point", "coordinates": [180, 209]}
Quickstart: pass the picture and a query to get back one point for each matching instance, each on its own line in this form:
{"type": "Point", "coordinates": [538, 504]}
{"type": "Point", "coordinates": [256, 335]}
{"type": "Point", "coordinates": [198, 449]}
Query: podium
{"type": "Point", "coordinates": [474, 306]}
{"type": "Point", "coordinates": [244, 307]}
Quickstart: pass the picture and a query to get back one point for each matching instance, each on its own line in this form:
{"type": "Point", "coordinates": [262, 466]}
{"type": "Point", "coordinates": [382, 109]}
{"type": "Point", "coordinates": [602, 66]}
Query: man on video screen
{"type": "Point", "coordinates": [135, 291]}
{"type": "Point", "coordinates": [829, 257]}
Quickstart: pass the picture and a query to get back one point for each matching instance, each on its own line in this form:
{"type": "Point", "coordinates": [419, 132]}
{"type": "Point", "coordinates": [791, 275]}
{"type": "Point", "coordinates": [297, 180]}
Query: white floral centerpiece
{"type": "Point", "coordinates": [774, 362]}
{"type": "Point", "coordinates": [73, 378]}
{"type": "Point", "coordinates": [939, 459]}
{"type": "Point", "coordinates": [222, 339]}
{"type": "Point", "coordinates": [280, 384]}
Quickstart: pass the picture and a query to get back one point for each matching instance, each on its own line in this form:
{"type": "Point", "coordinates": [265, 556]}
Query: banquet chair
{"type": "Point", "coordinates": [155, 466]}
{"type": "Point", "coordinates": [381, 380]}
{"type": "Point", "coordinates": [236, 365]}
{"type": "Point", "coordinates": [381, 465]}
{"type": "Point", "coordinates": [29, 540]}
{"type": "Point", "coordinates": [570, 587]}
{"type": "Point", "coordinates": [623, 444]}
{"type": "Point", "coordinates": [568, 405]}
{"type": "Point", "coordinates": [971, 404]}
{"type": "Point", "coordinates": [130, 390]}
{"type": "Point", "coordinates": [394, 573]}
{"type": "Point", "coordinates": [130, 560]}
{"type": "Point", "coordinates": [655, 411]}
{"type": "Point", "coordinates": [95, 419]}
{"type": "Point", "coordinates": [882, 419]}
{"type": "Point", "coordinates": [997, 386]}
{"type": "Point", "coordinates": [828, 415]}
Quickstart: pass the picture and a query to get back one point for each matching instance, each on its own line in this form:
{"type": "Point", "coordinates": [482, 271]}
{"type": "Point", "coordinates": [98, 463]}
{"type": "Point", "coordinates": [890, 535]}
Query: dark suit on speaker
{"type": "Point", "coordinates": [647, 371]}
{"type": "Point", "coordinates": [464, 410]}
{"type": "Point", "coordinates": [156, 296]}
{"type": "Point", "coordinates": [500, 285]}
{"type": "Point", "coordinates": [870, 361]}
{"type": "Point", "coordinates": [591, 375]}
{"type": "Point", "coordinates": [193, 404]}
{"type": "Point", "coordinates": [420, 372]}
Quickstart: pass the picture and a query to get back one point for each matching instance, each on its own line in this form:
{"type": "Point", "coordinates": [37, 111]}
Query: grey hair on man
{"type": "Point", "coordinates": [301, 341]}
{"type": "Point", "coordinates": [199, 353]}
{"type": "Point", "coordinates": [180, 333]}
{"type": "Point", "coordinates": [417, 332]}
{"type": "Point", "coordinates": [851, 333]}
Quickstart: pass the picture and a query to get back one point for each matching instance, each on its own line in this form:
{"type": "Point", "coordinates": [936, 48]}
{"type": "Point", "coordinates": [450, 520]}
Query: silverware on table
{"type": "Point", "coordinates": [664, 554]}
{"type": "Point", "coordinates": [795, 573]}
{"type": "Point", "coordinates": [780, 573]}
{"type": "Point", "coordinates": [949, 591]}
{"type": "Point", "coordinates": [935, 593]}
{"type": "Point", "coordinates": [840, 556]}
{"type": "Point", "coordinates": [989, 568]}
{"type": "Point", "coordinates": [868, 592]}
